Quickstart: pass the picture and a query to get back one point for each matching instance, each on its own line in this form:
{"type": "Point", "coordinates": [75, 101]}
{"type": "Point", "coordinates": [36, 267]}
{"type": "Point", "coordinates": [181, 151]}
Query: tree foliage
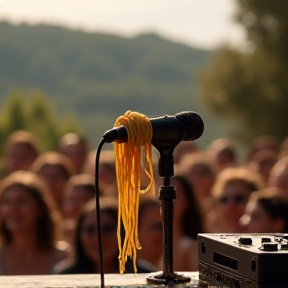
{"type": "Point", "coordinates": [34, 114]}
{"type": "Point", "coordinates": [251, 89]}
{"type": "Point", "coordinates": [100, 76]}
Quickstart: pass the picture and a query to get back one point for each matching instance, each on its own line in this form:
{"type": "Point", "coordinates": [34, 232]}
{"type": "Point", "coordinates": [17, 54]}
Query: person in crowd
{"type": "Point", "coordinates": [86, 255]}
{"type": "Point", "coordinates": [86, 259]}
{"type": "Point", "coordinates": [266, 212]}
{"type": "Point", "coordinates": [183, 148]}
{"type": "Point", "coordinates": [150, 233]}
{"type": "Point", "coordinates": [231, 192]}
{"type": "Point", "coordinates": [79, 189]}
{"type": "Point", "coordinates": [68, 228]}
{"type": "Point", "coordinates": [74, 148]}
{"type": "Point", "coordinates": [262, 142]}
{"type": "Point", "coordinates": [262, 162]}
{"type": "Point", "coordinates": [283, 151]}
{"type": "Point", "coordinates": [201, 174]}
{"type": "Point", "coordinates": [89, 164]}
{"type": "Point", "coordinates": [21, 150]}
{"type": "Point", "coordinates": [55, 169]}
{"type": "Point", "coordinates": [107, 171]}
{"type": "Point", "coordinates": [29, 226]}
{"type": "Point", "coordinates": [188, 222]}
{"type": "Point", "coordinates": [223, 154]}
{"type": "Point", "coordinates": [279, 175]}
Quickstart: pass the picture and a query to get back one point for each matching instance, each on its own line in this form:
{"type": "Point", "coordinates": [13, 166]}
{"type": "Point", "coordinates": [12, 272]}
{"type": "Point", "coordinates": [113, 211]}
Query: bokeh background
{"type": "Point", "coordinates": [77, 65]}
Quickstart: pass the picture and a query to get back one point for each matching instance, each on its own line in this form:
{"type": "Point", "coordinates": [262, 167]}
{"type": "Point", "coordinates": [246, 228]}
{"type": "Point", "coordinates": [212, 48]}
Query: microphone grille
{"type": "Point", "coordinates": [192, 125]}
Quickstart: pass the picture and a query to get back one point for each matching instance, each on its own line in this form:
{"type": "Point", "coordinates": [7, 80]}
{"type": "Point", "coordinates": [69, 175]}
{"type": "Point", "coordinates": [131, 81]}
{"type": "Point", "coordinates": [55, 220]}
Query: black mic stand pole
{"type": "Point", "coordinates": [167, 195]}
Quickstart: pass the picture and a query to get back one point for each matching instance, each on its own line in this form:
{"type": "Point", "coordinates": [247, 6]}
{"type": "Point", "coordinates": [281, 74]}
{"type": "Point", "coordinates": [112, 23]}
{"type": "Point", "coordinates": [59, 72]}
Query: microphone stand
{"type": "Point", "coordinates": [167, 195]}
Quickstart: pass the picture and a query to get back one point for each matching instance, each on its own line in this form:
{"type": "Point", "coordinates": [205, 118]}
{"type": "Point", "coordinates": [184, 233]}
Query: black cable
{"type": "Point", "coordinates": [97, 192]}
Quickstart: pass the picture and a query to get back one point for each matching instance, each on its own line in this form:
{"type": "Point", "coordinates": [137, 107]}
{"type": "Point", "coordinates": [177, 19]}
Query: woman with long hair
{"type": "Point", "coordinates": [86, 258]}
{"type": "Point", "coordinates": [29, 228]}
{"type": "Point", "coordinates": [55, 169]}
{"type": "Point", "coordinates": [231, 193]}
{"type": "Point", "coordinates": [78, 190]}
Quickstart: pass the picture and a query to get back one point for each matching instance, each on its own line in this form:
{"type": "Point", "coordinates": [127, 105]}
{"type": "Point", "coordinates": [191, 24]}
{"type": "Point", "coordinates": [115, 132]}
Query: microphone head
{"type": "Point", "coordinates": [192, 125]}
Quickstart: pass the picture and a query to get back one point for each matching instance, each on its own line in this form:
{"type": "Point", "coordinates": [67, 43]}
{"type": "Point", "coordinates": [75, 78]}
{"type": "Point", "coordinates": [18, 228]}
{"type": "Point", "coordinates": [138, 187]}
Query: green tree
{"type": "Point", "coordinates": [34, 114]}
{"type": "Point", "coordinates": [42, 120]}
{"type": "Point", "coordinates": [13, 116]}
{"type": "Point", "coordinates": [251, 89]}
{"type": "Point", "coordinates": [14, 113]}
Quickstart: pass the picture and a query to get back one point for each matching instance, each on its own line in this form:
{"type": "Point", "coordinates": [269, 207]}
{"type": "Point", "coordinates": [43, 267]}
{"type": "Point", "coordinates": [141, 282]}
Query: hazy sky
{"type": "Point", "coordinates": [202, 23]}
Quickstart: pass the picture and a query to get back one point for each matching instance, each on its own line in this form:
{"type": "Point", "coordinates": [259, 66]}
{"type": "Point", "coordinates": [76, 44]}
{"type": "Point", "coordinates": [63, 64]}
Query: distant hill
{"type": "Point", "coordinates": [100, 76]}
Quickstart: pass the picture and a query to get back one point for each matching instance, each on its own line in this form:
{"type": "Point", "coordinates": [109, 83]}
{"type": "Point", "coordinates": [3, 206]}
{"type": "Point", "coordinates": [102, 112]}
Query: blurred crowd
{"type": "Point", "coordinates": [47, 203]}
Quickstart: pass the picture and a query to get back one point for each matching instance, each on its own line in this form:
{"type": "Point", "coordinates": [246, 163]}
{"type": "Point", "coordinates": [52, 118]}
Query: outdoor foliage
{"type": "Point", "coordinates": [251, 89]}
{"type": "Point", "coordinates": [98, 77]}
{"type": "Point", "coordinates": [34, 114]}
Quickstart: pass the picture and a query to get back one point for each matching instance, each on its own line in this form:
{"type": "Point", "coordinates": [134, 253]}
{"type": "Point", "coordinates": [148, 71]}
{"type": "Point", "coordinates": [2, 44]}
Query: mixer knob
{"type": "Point", "coordinates": [269, 246]}
{"type": "Point", "coordinates": [245, 240]}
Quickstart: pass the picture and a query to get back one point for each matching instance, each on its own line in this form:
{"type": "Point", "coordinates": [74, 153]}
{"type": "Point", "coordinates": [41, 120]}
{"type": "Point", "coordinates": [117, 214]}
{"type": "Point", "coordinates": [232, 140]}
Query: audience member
{"type": "Point", "coordinates": [201, 174]}
{"type": "Point", "coordinates": [231, 192]}
{"type": "Point", "coordinates": [29, 226]}
{"type": "Point", "coordinates": [150, 233]}
{"type": "Point", "coordinates": [89, 164]}
{"type": "Point", "coordinates": [21, 150]}
{"type": "Point", "coordinates": [68, 231]}
{"type": "Point", "coordinates": [107, 171]}
{"type": "Point", "coordinates": [183, 148]}
{"type": "Point", "coordinates": [188, 222]}
{"type": "Point", "coordinates": [74, 148]}
{"type": "Point", "coordinates": [55, 169]}
{"type": "Point", "coordinates": [263, 142]}
{"type": "Point", "coordinates": [262, 162]}
{"type": "Point", "coordinates": [283, 151]}
{"type": "Point", "coordinates": [223, 154]}
{"type": "Point", "coordinates": [279, 175]}
{"type": "Point", "coordinates": [79, 189]}
{"type": "Point", "coordinates": [266, 212]}
{"type": "Point", "coordinates": [86, 258]}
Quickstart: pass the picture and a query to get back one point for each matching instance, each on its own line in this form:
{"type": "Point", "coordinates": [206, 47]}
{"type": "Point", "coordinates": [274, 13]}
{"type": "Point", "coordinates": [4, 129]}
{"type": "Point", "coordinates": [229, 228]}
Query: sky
{"type": "Point", "coordinates": [199, 23]}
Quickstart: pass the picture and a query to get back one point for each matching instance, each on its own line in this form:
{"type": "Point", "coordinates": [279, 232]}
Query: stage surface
{"type": "Point", "coordinates": [81, 281]}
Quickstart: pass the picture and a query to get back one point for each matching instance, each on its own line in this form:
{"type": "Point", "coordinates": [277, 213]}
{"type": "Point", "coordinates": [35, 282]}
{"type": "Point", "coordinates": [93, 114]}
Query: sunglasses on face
{"type": "Point", "coordinates": [92, 229]}
{"type": "Point", "coordinates": [237, 199]}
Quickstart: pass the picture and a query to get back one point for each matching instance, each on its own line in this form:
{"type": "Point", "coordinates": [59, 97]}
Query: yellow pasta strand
{"type": "Point", "coordinates": [128, 171]}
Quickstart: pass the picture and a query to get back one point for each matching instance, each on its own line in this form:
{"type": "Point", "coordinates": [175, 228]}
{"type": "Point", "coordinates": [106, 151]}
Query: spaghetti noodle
{"type": "Point", "coordinates": [128, 171]}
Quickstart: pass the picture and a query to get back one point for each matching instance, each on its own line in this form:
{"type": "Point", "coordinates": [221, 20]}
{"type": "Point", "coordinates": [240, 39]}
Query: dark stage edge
{"type": "Point", "coordinates": [81, 281]}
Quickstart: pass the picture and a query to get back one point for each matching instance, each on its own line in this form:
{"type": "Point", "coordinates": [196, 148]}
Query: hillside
{"type": "Point", "coordinates": [100, 76]}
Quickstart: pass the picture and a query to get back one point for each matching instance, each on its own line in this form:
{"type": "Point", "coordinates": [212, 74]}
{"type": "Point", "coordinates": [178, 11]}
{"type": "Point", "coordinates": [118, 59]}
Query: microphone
{"type": "Point", "coordinates": [167, 130]}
